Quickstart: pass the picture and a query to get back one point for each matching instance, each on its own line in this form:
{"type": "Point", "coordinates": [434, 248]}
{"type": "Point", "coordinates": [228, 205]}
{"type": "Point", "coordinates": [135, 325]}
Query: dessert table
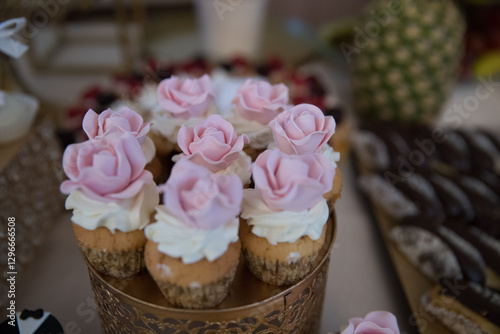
{"type": "Point", "coordinates": [361, 277]}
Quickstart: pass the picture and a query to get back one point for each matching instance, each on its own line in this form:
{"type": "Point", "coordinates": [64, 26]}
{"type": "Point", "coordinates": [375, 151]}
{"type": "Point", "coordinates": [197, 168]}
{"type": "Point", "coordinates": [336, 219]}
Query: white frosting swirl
{"type": "Point", "coordinates": [149, 149]}
{"type": "Point", "coordinates": [260, 135]}
{"type": "Point", "coordinates": [127, 215]}
{"type": "Point", "coordinates": [330, 154]}
{"type": "Point", "coordinates": [178, 240]}
{"type": "Point", "coordinates": [326, 150]}
{"type": "Point", "coordinates": [148, 98]}
{"type": "Point", "coordinates": [282, 226]}
{"type": "Point", "coordinates": [242, 167]}
{"type": "Point", "coordinates": [168, 126]}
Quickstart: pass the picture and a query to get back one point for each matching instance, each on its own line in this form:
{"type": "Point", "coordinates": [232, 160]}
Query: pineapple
{"type": "Point", "coordinates": [405, 58]}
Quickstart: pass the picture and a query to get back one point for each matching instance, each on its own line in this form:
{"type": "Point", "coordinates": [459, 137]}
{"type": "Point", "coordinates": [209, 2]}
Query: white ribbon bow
{"type": "Point", "coordinates": [8, 44]}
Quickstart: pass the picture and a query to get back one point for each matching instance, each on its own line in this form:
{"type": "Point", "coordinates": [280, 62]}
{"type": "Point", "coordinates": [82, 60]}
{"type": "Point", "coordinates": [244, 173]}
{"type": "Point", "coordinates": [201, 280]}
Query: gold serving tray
{"type": "Point", "coordinates": [137, 306]}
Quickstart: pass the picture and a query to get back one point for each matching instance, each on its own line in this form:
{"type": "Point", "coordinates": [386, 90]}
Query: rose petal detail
{"type": "Point", "coordinates": [378, 322]}
{"type": "Point", "coordinates": [260, 101]}
{"type": "Point", "coordinates": [105, 167]}
{"type": "Point", "coordinates": [212, 143]}
{"type": "Point", "coordinates": [202, 199]}
{"type": "Point", "coordinates": [292, 182]}
{"type": "Point", "coordinates": [185, 98]}
{"type": "Point", "coordinates": [302, 129]}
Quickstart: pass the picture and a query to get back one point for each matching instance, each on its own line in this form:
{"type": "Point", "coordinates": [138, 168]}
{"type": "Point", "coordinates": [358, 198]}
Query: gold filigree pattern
{"type": "Point", "coordinates": [132, 306]}
{"type": "Point", "coordinates": [295, 312]}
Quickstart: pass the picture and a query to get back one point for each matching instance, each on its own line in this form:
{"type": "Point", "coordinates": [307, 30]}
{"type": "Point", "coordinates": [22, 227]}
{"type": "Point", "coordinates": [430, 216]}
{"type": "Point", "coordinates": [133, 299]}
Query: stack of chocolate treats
{"type": "Point", "coordinates": [440, 190]}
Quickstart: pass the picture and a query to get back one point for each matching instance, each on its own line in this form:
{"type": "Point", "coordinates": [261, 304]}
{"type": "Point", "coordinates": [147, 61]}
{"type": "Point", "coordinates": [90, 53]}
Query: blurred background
{"type": "Point", "coordinates": [359, 60]}
{"type": "Point", "coordinates": [74, 44]}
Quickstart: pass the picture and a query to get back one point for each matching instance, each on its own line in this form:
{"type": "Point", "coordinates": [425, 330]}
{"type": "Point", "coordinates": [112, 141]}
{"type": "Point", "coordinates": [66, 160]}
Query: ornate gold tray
{"type": "Point", "coordinates": [137, 305]}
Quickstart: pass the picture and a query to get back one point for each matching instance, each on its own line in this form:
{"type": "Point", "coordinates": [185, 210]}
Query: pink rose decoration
{"type": "Point", "coordinates": [260, 101]}
{"type": "Point", "coordinates": [379, 322]}
{"type": "Point", "coordinates": [109, 121]}
{"type": "Point", "coordinates": [202, 199]}
{"type": "Point", "coordinates": [292, 182]}
{"type": "Point", "coordinates": [185, 98]}
{"type": "Point", "coordinates": [302, 129]}
{"type": "Point", "coordinates": [212, 143]}
{"type": "Point", "coordinates": [109, 169]}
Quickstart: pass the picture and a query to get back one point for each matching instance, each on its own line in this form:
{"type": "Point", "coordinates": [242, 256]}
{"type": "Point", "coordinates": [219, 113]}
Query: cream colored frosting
{"type": "Point", "coordinates": [282, 226]}
{"type": "Point", "coordinates": [179, 240]}
{"type": "Point", "coordinates": [149, 149]}
{"type": "Point", "coordinates": [168, 126]}
{"type": "Point", "coordinates": [330, 154]}
{"type": "Point", "coordinates": [260, 135]}
{"type": "Point", "coordinates": [240, 167]}
{"type": "Point", "coordinates": [326, 150]}
{"type": "Point", "coordinates": [148, 98]}
{"type": "Point", "coordinates": [127, 215]}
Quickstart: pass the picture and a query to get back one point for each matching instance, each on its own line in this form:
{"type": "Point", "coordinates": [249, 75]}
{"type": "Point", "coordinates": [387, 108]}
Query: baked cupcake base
{"type": "Point", "coordinates": [162, 145]}
{"type": "Point", "coordinates": [119, 255]}
{"type": "Point", "coordinates": [198, 285]}
{"type": "Point", "coordinates": [253, 153]}
{"type": "Point", "coordinates": [276, 272]}
{"type": "Point", "coordinates": [282, 264]}
{"type": "Point", "coordinates": [341, 139]}
{"type": "Point", "coordinates": [155, 167]}
{"type": "Point", "coordinates": [333, 195]}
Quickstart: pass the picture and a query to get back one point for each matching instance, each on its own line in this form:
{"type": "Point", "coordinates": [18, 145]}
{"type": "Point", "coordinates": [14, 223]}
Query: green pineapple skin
{"type": "Point", "coordinates": [406, 69]}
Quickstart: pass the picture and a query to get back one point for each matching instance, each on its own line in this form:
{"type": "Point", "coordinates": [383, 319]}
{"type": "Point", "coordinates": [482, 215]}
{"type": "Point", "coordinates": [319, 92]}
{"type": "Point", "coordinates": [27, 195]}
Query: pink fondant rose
{"type": "Point", "coordinates": [109, 121]}
{"type": "Point", "coordinates": [202, 199]}
{"type": "Point", "coordinates": [109, 169]}
{"type": "Point", "coordinates": [185, 98]}
{"type": "Point", "coordinates": [378, 322]}
{"type": "Point", "coordinates": [260, 101]}
{"type": "Point", "coordinates": [292, 182]}
{"type": "Point", "coordinates": [302, 129]}
{"type": "Point", "coordinates": [212, 143]}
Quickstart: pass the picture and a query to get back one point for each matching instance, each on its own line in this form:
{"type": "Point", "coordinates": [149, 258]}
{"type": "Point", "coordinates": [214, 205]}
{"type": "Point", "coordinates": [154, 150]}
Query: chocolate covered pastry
{"type": "Point", "coordinates": [464, 307]}
{"type": "Point", "coordinates": [445, 212]}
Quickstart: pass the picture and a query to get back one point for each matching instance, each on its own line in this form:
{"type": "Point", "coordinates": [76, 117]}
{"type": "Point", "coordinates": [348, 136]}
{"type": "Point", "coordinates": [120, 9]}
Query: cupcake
{"type": "Point", "coordinates": [304, 129]}
{"type": "Point", "coordinates": [214, 144]}
{"type": "Point", "coordinates": [256, 104]}
{"type": "Point", "coordinates": [377, 322]}
{"type": "Point", "coordinates": [284, 217]}
{"type": "Point", "coordinates": [112, 198]}
{"type": "Point", "coordinates": [180, 101]}
{"type": "Point", "coordinates": [193, 248]}
{"type": "Point", "coordinates": [123, 119]}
